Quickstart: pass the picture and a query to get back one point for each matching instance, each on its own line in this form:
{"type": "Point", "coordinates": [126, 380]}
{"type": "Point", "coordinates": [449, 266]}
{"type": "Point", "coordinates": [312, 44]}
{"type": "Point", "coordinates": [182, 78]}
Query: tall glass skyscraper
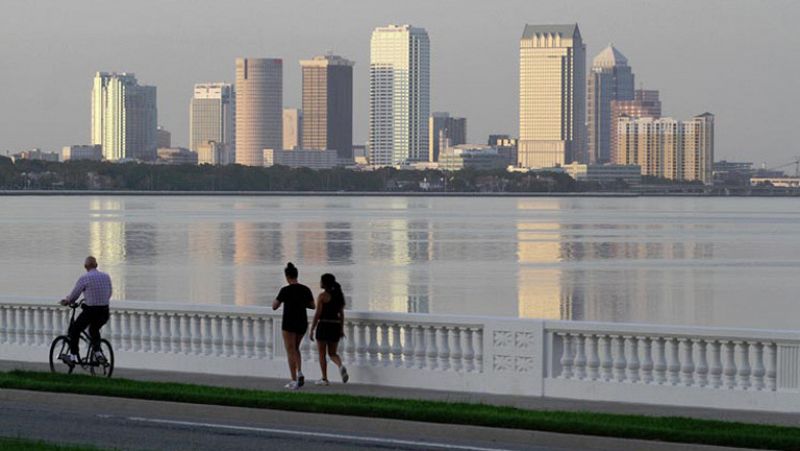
{"type": "Point", "coordinates": [328, 105]}
{"type": "Point", "coordinates": [399, 95]}
{"type": "Point", "coordinates": [124, 117]}
{"type": "Point", "coordinates": [552, 86]}
{"type": "Point", "coordinates": [259, 108]}
{"type": "Point", "coordinates": [610, 79]}
{"type": "Point", "coordinates": [211, 115]}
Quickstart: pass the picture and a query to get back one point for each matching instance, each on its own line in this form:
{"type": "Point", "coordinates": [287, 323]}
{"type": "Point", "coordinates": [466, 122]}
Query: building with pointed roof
{"type": "Point", "coordinates": [610, 80]}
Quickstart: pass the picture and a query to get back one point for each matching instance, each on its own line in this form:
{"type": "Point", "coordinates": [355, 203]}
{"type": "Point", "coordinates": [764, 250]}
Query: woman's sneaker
{"type": "Point", "coordinates": [322, 382]}
{"type": "Point", "coordinates": [345, 376]}
{"type": "Point", "coordinates": [292, 385]}
{"type": "Point", "coordinates": [301, 380]}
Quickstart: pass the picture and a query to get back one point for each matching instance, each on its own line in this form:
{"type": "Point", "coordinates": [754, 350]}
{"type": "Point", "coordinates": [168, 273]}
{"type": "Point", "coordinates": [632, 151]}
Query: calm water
{"type": "Point", "coordinates": [727, 262]}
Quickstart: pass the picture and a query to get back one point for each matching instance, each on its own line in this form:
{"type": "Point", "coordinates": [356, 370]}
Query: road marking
{"type": "Point", "coordinates": [356, 438]}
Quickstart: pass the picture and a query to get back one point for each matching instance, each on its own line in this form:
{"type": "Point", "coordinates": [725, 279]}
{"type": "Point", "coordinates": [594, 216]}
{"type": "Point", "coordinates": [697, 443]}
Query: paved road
{"type": "Point", "coordinates": [137, 424]}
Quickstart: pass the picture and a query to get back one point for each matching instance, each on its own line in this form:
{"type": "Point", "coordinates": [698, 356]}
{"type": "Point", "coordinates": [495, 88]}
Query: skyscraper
{"type": "Point", "coordinates": [124, 117]}
{"type": "Point", "coordinates": [552, 85]}
{"type": "Point", "coordinates": [259, 108]}
{"type": "Point", "coordinates": [399, 95]}
{"type": "Point", "coordinates": [292, 129]}
{"type": "Point", "coordinates": [444, 130]}
{"type": "Point", "coordinates": [645, 103]}
{"type": "Point", "coordinates": [211, 116]}
{"type": "Point", "coordinates": [328, 104]}
{"type": "Point", "coordinates": [610, 79]}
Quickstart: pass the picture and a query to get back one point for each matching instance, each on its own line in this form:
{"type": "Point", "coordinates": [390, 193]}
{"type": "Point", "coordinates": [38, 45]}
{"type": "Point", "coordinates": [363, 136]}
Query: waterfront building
{"type": "Point", "coordinates": [259, 108]}
{"type": "Point", "coordinates": [445, 131]}
{"type": "Point", "coordinates": [124, 117]}
{"type": "Point", "coordinates": [399, 95]}
{"type": "Point", "coordinates": [176, 155]}
{"type": "Point", "coordinates": [292, 128]}
{"type": "Point", "coordinates": [328, 105]}
{"type": "Point", "coordinates": [214, 153]}
{"type": "Point", "coordinates": [605, 174]}
{"type": "Point", "coordinates": [163, 137]}
{"type": "Point", "coordinates": [470, 156]}
{"type": "Point", "coordinates": [610, 79]}
{"type": "Point", "coordinates": [552, 85]}
{"type": "Point", "coordinates": [93, 152]}
{"type": "Point", "coordinates": [35, 154]}
{"type": "Point", "coordinates": [506, 146]}
{"type": "Point", "coordinates": [302, 158]}
{"type": "Point", "coordinates": [777, 182]}
{"type": "Point", "coordinates": [212, 116]}
{"type": "Point", "coordinates": [668, 148]}
{"type": "Point", "coordinates": [645, 103]}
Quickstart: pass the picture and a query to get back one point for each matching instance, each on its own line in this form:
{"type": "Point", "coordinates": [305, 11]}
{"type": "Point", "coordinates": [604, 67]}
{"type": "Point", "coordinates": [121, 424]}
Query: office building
{"type": "Point", "coordinates": [506, 146]}
{"type": "Point", "coordinates": [552, 86]}
{"type": "Point", "coordinates": [215, 154]}
{"type": "Point", "coordinates": [35, 154]}
{"type": "Point", "coordinates": [292, 129]}
{"type": "Point", "coordinates": [610, 79]}
{"type": "Point", "coordinates": [163, 137]}
{"type": "Point", "coordinates": [470, 156]}
{"type": "Point", "coordinates": [645, 103]}
{"type": "Point", "coordinates": [259, 108]}
{"type": "Point", "coordinates": [608, 175]}
{"type": "Point", "coordinates": [82, 152]}
{"type": "Point", "coordinates": [445, 131]}
{"type": "Point", "coordinates": [668, 148]}
{"type": "Point", "coordinates": [328, 105]}
{"type": "Point", "coordinates": [302, 158]}
{"type": "Point", "coordinates": [176, 156]}
{"type": "Point", "coordinates": [212, 113]}
{"type": "Point", "coordinates": [124, 117]}
{"type": "Point", "coordinates": [399, 95]}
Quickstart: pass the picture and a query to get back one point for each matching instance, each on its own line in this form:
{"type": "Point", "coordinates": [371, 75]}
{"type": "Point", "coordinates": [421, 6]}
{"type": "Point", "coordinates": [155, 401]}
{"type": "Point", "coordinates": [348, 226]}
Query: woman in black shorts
{"type": "Point", "coordinates": [296, 298]}
{"type": "Point", "coordinates": [328, 326]}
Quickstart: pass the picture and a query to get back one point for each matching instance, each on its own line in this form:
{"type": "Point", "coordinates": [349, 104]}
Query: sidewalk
{"type": "Point", "coordinates": [354, 388]}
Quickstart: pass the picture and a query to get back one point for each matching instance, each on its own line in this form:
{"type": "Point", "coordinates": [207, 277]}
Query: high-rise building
{"type": "Point", "coordinates": [82, 152]}
{"type": "Point", "coordinates": [610, 79]}
{"type": "Point", "coordinates": [292, 128]}
{"type": "Point", "coordinates": [445, 131]}
{"type": "Point", "coordinates": [399, 95]}
{"type": "Point", "coordinates": [259, 108]}
{"type": "Point", "coordinates": [552, 86]}
{"type": "Point", "coordinates": [645, 103]}
{"type": "Point", "coordinates": [211, 116]}
{"type": "Point", "coordinates": [163, 137]}
{"type": "Point", "coordinates": [668, 148]}
{"type": "Point", "coordinates": [328, 105]}
{"type": "Point", "coordinates": [124, 117]}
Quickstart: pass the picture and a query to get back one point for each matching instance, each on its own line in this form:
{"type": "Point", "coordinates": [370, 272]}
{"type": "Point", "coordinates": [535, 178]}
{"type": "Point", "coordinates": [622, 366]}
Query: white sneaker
{"type": "Point", "coordinates": [292, 385]}
{"type": "Point", "coordinates": [69, 359]}
{"type": "Point", "coordinates": [301, 380]}
{"type": "Point", "coordinates": [343, 373]}
{"type": "Point", "coordinates": [322, 382]}
{"type": "Point", "coordinates": [99, 357]}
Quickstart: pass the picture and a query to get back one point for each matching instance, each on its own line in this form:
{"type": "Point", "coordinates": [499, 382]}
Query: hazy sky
{"type": "Point", "coordinates": [737, 59]}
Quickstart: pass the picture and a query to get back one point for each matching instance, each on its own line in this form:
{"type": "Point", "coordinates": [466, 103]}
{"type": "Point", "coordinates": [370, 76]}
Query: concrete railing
{"type": "Point", "coordinates": [690, 366]}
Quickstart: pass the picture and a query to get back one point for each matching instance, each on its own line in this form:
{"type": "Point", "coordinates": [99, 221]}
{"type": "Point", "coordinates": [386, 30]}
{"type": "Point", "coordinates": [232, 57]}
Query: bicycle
{"type": "Point", "coordinates": [103, 366]}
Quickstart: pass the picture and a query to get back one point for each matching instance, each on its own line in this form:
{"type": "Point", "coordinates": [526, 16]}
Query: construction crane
{"type": "Point", "coordinates": [795, 162]}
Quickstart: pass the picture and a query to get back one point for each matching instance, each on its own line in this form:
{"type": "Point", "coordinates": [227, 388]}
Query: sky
{"type": "Point", "coordinates": [738, 59]}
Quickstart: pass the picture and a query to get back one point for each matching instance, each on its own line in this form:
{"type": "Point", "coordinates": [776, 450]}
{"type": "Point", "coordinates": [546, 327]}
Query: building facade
{"type": "Point", "coordinates": [668, 148]}
{"type": "Point", "coordinates": [212, 115]}
{"type": "Point", "coordinates": [215, 154]}
{"type": "Point", "coordinates": [645, 103]}
{"type": "Point", "coordinates": [328, 105]}
{"type": "Point", "coordinates": [605, 174]}
{"type": "Point", "coordinates": [399, 95]}
{"type": "Point", "coordinates": [82, 152]}
{"type": "Point", "coordinates": [302, 158]}
{"type": "Point", "coordinates": [445, 131]}
{"type": "Point", "coordinates": [176, 156]}
{"type": "Point", "coordinates": [610, 79]}
{"type": "Point", "coordinates": [124, 117]}
{"type": "Point", "coordinates": [163, 137]}
{"type": "Point", "coordinates": [552, 86]}
{"type": "Point", "coordinates": [292, 129]}
{"type": "Point", "coordinates": [470, 156]}
{"type": "Point", "coordinates": [259, 108]}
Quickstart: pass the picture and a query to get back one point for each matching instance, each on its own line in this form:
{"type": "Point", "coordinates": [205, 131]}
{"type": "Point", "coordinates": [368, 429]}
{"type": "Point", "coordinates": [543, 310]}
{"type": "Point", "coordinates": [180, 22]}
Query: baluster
{"type": "Point", "coordinates": [593, 360]}
{"type": "Point", "coordinates": [156, 332]}
{"type": "Point", "coordinates": [248, 332]}
{"type": "Point", "coordinates": [687, 362]}
{"type": "Point", "coordinates": [27, 327]}
{"type": "Point", "coordinates": [431, 350]}
{"type": "Point", "coordinates": [729, 370]}
{"type": "Point", "coordinates": [136, 331]}
{"type": "Point", "coordinates": [647, 360]}
{"type": "Point", "coordinates": [202, 334]}
{"type": "Point", "coordinates": [48, 324]}
{"type": "Point", "coordinates": [384, 348]}
{"type": "Point", "coordinates": [419, 350]}
{"type": "Point", "coordinates": [3, 324]}
{"type": "Point", "coordinates": [772, 367]}
{"type": "Point", "coordinates": [442, 344]}
{"type": "Point", "coordinates": [397, 348]}
{"type": "Point", "coordinates": [758, 366]}
{"type": "Point", "coordinates": [15, 336]}
{"type": "Point", "coordinates": [183, 334]}
{"type": "Point", "coordinates": [455, 346]}
{"type": "Point", "coordinates": [269, 334]}
{"type": "Point", "coordinates": [227, 335]}
{"type": "Point", "coordinates": [674, 366]}
{"type": "Point", "coordinates": [633, 362]}
{"type": "Point", "coordinates": [238, 341]}
{"type": "Point", "coordinates": [743, 349]}
{"type": "Point", "coordinates": [350, 344]}
{"type": "Point", "coordinates": [479, 349]}
{"type": "Point", "coordinates": [259, 342]}
{"type": "Point", "coordinates": [372, 348]}
{"type": "Point", "coordinates": [619, 358]}
{"type": "Point", "coordinates": [579, 364]}
{"type": "Point", "coordinates": [217, 339]}
{"type": "Point", "coordinates": [361, 343]}
{"type": "Point", "coordinates": [408, 345]}
{"type": "Point", "coordinates": [147, 332]}
{"type": "Point", "coordinates": [606, 362]}
{"type": "Point", "coordinates": [702, 363]}
{"type": "Point", "coordinates": [38, 326]}
{"type": "Point", "coordinates": [125, 330]}
{"type": "Point", "coordinates": [166, 335]}
{"type": "Point", "coordinates": [469, 352]}
{"type": "Point", "coordinates": [566, 355]}
{"type": "Point", "coordinates": [715, 367]}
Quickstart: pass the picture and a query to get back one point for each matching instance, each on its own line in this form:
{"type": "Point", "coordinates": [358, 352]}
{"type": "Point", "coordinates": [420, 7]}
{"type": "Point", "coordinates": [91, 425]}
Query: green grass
{"type": "Point", "coordinates": [21, 444]}
{"type": "Point", "coordinates": [669, 429]}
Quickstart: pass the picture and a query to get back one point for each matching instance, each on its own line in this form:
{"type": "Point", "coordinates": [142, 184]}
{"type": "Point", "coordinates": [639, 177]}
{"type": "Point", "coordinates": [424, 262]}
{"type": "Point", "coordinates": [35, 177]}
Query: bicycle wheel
{"type": "Point", "coordinates": [105, 366]}
{"type": "Point", "coordinates": [59, 348]}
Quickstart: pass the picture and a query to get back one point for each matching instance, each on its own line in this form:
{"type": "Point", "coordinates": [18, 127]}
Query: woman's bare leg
{"type": "Point", "coordinates": [298, 363]}
{"type": "Point", "coordinates": [289, 345]}
{"type": "Point", "coordinates": [334, 354]}
{"type": "Point", "coordinates": [323, 362]}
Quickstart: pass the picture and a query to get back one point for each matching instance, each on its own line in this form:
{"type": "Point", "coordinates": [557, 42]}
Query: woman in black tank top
{"type": "Point", "coordinates": [295, 298]}
{"type": "Point", "coordinates": [328, 326]}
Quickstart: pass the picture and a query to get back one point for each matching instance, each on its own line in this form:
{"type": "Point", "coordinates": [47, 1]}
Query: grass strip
{"type": "Point", "coordinates": [23, 444]}
{"type": "Point", "coordinates": [668, 429]}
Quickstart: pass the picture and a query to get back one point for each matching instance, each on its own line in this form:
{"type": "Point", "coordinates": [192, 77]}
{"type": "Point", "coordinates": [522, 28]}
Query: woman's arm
{"type": "Point", "coordinates": [321, 299]}
{"type": "Point", "coordinates": [276, 304]}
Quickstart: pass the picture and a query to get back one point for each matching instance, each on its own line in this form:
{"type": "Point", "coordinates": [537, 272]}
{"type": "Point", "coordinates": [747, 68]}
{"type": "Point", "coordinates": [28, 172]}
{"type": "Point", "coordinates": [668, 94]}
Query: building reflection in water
{"type": "Point", "coordinates": [107, 241]}
{"type": "Point", "coordinates": [256, 247]}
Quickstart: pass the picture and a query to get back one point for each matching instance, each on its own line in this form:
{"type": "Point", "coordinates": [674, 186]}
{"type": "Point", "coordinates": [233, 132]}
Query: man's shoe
{"type": "Point", "coordinates": [69, 359]}
{"type": "Point", "coordinates": [99, 357]}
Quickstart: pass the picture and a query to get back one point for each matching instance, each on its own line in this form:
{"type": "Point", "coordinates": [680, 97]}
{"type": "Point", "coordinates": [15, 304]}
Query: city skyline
{"type": "Point", "coordinates": [697, 86]}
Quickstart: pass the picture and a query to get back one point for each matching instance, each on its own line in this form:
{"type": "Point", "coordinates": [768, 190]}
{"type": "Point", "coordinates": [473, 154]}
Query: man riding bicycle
{"type": "Point", "coordinates": [96, 289]}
